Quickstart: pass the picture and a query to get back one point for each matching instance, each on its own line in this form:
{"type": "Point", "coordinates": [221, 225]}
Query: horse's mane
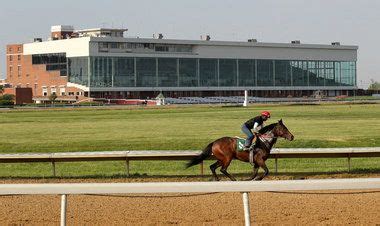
{"type": "Point", "coordinates": [267, 128]}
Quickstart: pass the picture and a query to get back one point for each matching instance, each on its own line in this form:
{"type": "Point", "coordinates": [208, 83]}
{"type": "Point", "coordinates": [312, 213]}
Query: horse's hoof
{"type": "Point", "coordinates": [258, 179]}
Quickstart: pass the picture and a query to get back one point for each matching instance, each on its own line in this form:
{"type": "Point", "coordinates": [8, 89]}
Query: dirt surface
{"type": "Point", "coordinates": [267, 208]}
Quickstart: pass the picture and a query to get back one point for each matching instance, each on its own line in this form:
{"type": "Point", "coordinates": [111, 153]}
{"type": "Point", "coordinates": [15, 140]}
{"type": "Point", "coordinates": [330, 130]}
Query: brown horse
{"type": "Point", "coordinates": [225, 150]}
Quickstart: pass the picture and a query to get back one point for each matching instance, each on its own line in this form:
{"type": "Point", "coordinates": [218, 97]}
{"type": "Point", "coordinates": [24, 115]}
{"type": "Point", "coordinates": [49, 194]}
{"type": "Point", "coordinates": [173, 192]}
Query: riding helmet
{"type": "Point", "coordinates": [266, 114]}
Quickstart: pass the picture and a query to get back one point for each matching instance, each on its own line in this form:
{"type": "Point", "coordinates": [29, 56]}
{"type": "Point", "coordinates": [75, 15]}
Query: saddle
{"type": "Point", "coordinates": [240, 146]}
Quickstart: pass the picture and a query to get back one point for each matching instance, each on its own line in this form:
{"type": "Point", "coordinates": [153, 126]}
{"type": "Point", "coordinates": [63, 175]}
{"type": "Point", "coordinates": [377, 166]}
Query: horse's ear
{"type": "Point", "coordinates": [280, 121]}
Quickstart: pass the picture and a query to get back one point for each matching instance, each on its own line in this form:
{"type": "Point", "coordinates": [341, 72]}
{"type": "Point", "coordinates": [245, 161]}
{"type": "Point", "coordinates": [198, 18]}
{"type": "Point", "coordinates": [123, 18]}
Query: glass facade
{"type": "Point", "coordinates": [188, 73]}
{"type": "Point", "coordinates": [208, 72]}
{"type": "Point", "coordinates": [78, 70]}
{"type": "Point", "coordinates": [200, 72]}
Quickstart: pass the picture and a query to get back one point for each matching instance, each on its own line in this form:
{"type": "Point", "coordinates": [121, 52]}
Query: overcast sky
{"type": "Point", "coordinates": [351, 22]}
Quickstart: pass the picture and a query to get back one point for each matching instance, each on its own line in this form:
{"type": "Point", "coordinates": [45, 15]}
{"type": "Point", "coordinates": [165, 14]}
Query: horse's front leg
{"type": "Point", "coordinates": [266, 172]}
{"type": "Point", "coordinates": [254, 173]}
{"type": "Point", "coordinates": [224, 171]}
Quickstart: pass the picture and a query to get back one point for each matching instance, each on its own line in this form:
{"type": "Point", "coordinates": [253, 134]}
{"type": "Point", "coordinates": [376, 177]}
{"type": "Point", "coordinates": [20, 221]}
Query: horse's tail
{"type": "Point", "coordinates": [198, 159]}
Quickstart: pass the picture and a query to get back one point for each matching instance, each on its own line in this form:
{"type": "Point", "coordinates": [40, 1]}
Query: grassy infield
{"type": "Point", "coordinates": [181, 128]}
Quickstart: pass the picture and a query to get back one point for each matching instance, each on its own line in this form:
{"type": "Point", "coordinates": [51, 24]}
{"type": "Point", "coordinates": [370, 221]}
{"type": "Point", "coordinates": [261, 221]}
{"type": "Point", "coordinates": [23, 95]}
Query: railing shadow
{"type": "Point", "coordinates": [207, 177]}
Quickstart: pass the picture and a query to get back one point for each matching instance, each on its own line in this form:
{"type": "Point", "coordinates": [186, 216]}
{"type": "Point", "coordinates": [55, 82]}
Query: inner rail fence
{"type": "Point", "coordinates": [187, 187]}
{"type": "Point", "coordinates": [127, 156]}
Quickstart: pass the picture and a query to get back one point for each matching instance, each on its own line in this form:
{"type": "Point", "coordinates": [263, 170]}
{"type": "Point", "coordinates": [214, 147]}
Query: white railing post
{"type": "Point", "coordinates": [63, 210]}
{"type": "Point", "coordinates": [245, 104]}
{"type": "Point", "coordinates": [247, 218]}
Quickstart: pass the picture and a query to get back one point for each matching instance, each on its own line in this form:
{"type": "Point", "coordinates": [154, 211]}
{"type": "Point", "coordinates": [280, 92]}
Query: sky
{"type": "Point", "coordinates": [350, 22]}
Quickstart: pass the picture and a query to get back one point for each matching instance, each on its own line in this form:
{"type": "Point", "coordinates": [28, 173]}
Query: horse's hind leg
{"type": "Point", "coordinates": [213, 167]}
{"type": "Point", "coordinates": [224, 170]}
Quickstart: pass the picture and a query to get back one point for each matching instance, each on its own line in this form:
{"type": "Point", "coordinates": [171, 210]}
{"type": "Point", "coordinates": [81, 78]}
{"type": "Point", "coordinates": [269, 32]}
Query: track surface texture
{"type": "Point", "coordinates": [267, 208]}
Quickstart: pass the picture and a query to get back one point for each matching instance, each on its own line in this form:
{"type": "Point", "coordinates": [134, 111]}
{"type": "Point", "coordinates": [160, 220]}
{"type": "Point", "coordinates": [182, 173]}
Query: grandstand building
{"type": "Point", "coordinates": [102, 63]}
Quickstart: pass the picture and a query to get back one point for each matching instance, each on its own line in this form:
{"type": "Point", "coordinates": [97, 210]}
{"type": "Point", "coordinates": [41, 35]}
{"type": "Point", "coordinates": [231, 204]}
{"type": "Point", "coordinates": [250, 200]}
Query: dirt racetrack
{"type": "Point", "coordinates": [267, 208]}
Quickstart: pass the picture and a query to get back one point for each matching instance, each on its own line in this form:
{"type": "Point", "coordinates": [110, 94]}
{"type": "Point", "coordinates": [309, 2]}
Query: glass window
{"type": "Point", "coordinates": [167, 72]}
{"type": "Point", "coordinates": [329, 74]}
{"type": "Point", "coordinates": [320, 73]}
{"type": "Point", "coordinates": [54, 61]}
{"type": "Point", "coordinates": [188, 72]}
{"type": "Point", "coordinates": [227, 72]}
{"type": "Point", "coordinates": [78, 70]}
{"type": "Point", "coordinates": [299, 73]}
{"type": "Point", "coordinates": [282, 73]}
{"type": "Point", "coordinates": [146, 72]}
{"type": "Point", "coordinates": [162, 48]}
{"type": "Point", "coordinates": [313, 70]}
{"type": "Point", "coordinates": [19, 71]}
{"type": "Point", "coordinates": [114, 45]}
{"type": "Point", "coordinates": [208, 72]}
{"type": "Point", "coordinates": [348, 73]}
{"type": "Point", "coordinates": [247, 73]}
{"type": "Point", "coordinates": [265, 73]}
{"type": "Point", "coordinates": [124, 72]}
{"type": "Point", "coordinates": [337, 73]}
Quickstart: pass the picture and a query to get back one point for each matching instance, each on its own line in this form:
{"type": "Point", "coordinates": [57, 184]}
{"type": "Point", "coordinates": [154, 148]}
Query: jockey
{"type": "Point", "coordinates": [254, 125]}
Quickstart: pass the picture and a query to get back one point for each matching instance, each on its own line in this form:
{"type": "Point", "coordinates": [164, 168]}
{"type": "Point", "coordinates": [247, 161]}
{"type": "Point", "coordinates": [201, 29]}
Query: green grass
{"type": "Point", "coordinates": [179, 128]}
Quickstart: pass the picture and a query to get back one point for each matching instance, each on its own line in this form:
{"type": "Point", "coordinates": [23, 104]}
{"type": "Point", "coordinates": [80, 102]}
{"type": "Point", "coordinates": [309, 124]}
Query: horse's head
{"type": "Point", "coordinates": [281, 131]}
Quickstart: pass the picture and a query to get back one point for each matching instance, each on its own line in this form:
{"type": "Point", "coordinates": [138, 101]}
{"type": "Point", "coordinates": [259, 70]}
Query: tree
{"type": "Point", "coordinates": [1, 89]}
{"type": "Point", "coordinates": [52, 97]}
{"type": "Point", "coordinates": [374, 85]}
{"type": "Point", "coordinates": [7, 99]}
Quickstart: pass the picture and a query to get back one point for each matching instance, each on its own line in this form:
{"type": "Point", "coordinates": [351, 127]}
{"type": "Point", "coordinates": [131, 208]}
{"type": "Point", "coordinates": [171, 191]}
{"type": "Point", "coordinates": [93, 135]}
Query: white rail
{"type": "Point", "coordinates": [184, 155]}
{"type": "Point", "coordinates": [187, 187]}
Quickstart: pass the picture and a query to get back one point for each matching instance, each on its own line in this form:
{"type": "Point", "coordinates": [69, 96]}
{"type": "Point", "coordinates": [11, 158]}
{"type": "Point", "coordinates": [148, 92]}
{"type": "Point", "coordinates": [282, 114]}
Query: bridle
{"type": "Point", "coordinates": [268, 137]}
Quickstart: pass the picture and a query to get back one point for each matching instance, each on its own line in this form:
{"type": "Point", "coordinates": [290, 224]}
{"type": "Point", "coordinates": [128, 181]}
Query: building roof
{"type": "Point", "coordinates": [223, 43]}
{"type": "Point", "coordinates": [102, 29]}
{"type": "Point", "coordinates": [60, 28]}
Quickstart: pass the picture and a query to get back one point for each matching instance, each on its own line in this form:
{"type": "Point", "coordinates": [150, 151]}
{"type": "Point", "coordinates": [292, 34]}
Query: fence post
{"type": "Point", "coordinates": [127, 167]}
{"type": "Point", "coordinates": [247, 218]}
{"type": "Point", "coordinates": [349, 162]}
{"type": "Point", "coordinates": [275, 165]}
{"type": "Point", "coordinates": [53, 167]}
{"type": "Point", "coordinates": [63, 210]}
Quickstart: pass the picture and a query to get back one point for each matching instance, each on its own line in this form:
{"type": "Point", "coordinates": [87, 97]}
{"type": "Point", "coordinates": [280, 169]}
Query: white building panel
{"type": "Point", "coordinates": [275, 53]}
{"type": "Point", "coordinates": [74, 47]}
